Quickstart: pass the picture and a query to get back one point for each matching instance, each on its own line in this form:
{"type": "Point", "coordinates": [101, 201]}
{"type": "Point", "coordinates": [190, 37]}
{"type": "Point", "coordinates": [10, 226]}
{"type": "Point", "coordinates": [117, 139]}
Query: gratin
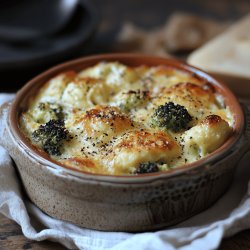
{"type": "Point", "coordinates": [119, 120]}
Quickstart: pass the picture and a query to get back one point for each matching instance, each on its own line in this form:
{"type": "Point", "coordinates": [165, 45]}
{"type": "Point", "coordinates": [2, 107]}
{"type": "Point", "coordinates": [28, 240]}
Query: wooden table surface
{"type": "Point", "coordinates": [11, 237]}
{"type": "Point", "coordinates": [143, 13]}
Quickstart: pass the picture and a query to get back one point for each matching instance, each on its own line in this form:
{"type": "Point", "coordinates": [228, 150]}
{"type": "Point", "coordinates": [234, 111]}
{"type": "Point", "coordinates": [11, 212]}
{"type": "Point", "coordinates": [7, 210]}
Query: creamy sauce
{"type": "Point", "coordinates": [108, 110]}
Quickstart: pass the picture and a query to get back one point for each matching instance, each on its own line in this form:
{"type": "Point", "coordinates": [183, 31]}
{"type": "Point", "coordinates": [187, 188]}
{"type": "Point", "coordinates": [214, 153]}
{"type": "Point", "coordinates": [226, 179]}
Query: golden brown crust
{"type": "Point", "coordinates": [137, 146]}
{"type": "Point", "coordinates": [143, 139]}
{"type": "Point", "coordinates": [83, 164]}
{"type": "Point", "coordinates": [86, 80]}
{"type": "Point", "coordinates": [108, 116]}
{"type": "Point", "coordinates": [191, 91]}
{"type": "Point", "coordinates": [211, 120]}
{"type": "Point", "coordinates": [108, 111]}
{"type": "Point", "coordinates": [199, 100]}
{"type": "Point", "coordinates": [80, 162]}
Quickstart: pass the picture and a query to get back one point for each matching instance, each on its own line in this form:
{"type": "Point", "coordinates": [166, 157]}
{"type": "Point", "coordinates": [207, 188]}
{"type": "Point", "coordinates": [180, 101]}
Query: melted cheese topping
{"type": "Point", "coordinates": [108, 110]}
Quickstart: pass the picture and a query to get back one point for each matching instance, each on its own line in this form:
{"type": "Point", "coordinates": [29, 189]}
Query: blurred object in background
{"type": "Point", "coordinates": [186, 32]}
{"type": "Point", "coordinates": [27, 21]}
{"type": "Point", "coordinates": [227, 57]}
{"type": "Point", "coordinates": [134, 39]}
{"type": "Point", "coordinates": [182, 32]}
{"type": "Point", "coordinates": [148, 15]}
{"type": "Point", "coordinates": [35, 35]}
{"type": "Point", "coordinates": [39, 47]}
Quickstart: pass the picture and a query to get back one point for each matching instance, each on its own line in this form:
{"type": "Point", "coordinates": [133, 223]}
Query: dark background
{"type": "Point", "coordinates": [146, 14]}
{"type": "Point", "coordinates": [150, 14]}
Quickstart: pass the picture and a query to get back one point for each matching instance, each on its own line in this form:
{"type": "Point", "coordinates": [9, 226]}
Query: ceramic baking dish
{"type": "Point", "coordinates": [123, 203]}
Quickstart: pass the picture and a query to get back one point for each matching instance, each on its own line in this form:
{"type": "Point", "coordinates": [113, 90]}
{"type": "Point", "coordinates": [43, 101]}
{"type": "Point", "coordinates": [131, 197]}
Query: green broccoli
{"type": "Point", "coordinates": [51, 136]}
{"type": "Point", "coordinates": [133, 99]}
{"type": "Point", "coordinates": [151, 167]}
{"type": "Point", "coordinates": [147, 167]}
{"type": "Point", "coordinates": [171, 116]}
{"type": "Point", "coordinates": [46, 111]}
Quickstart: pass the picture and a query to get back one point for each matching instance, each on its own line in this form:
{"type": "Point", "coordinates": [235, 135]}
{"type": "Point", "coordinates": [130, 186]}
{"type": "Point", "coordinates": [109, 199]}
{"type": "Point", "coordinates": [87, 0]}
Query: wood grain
{"type": "Point", "coordinates": [11, 237]}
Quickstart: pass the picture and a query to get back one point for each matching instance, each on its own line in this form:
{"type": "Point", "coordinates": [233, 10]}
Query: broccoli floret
{"type": "Point", "coordinates": [51, 136]}
{"type": "Point", "coordinates": [46, 111]}
{"type": "Point", "coordinates": [147, 167]}
{"type": "Point", "coordinates": [133, 99]}
{"type": "Point", "coordinates": [151, 167]}
{"type": "Point", "coordinates": [171, 116]}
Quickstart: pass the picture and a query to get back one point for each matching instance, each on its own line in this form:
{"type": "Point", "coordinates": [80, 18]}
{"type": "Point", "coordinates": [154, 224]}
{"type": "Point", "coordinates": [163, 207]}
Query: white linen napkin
{"type": "Point", "coordinates": [228, 216]}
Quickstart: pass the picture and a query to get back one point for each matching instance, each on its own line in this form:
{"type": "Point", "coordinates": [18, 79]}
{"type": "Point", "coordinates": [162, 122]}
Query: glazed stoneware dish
{"type": "Point", "coordinates": [124, 202]}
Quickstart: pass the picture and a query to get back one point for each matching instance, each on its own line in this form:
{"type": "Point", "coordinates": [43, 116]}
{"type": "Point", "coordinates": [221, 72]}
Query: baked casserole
{"type": "Point", "coordinates": [115, 119]}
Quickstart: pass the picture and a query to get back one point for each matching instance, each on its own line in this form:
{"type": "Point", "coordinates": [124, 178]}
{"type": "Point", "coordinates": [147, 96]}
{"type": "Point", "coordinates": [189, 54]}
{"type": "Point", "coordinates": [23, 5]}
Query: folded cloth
{"type": "Point", "coordinates": [228, 216]}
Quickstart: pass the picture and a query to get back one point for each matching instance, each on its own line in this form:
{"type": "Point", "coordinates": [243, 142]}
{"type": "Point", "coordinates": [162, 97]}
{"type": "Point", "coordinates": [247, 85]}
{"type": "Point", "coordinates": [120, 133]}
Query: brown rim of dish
{"type": "Point", "coordinates": [20, 103]}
